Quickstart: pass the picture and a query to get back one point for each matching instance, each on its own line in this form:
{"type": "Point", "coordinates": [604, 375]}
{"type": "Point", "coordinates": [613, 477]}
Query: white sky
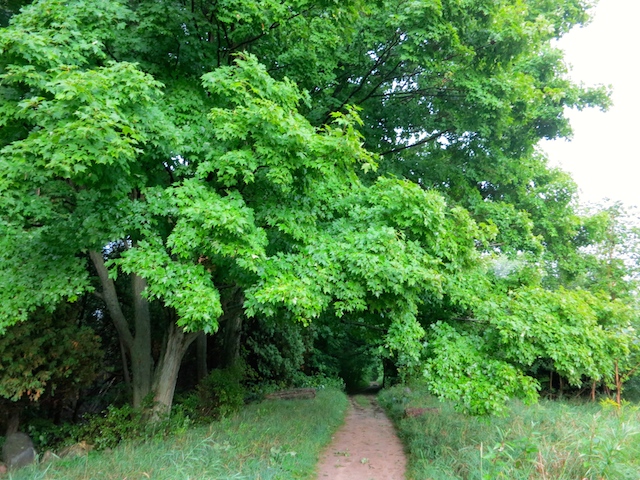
{"type": "Point", "coordinates": [604, 155]}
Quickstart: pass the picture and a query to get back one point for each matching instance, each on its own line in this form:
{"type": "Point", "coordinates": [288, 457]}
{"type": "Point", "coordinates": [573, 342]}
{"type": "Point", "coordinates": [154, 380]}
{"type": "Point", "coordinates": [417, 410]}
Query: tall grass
{"type": "Point", "coordinates": [269, 440]}
{"type": "Point", "coordinates": [551, 440]}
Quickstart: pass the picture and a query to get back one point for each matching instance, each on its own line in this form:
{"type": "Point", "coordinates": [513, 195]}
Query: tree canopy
{"type": "Point", "coordinates": [370, 163]}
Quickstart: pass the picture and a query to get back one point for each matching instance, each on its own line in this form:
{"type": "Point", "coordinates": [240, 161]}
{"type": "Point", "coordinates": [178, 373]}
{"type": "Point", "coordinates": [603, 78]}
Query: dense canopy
{"type": "Point", "coordinates": [368, 167]}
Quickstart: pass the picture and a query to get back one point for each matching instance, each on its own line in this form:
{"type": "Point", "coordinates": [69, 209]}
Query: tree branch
{"type": "Point", "coordinates": [110, 297]}
{"type": "Point", "coordinates": [381, 60]}
{"type": "Point", "coordinates": [98, 295]}
{"type": "Point", "coordinates": [428, 139]}
{"type": "Point", "coordinates": [273, 26]}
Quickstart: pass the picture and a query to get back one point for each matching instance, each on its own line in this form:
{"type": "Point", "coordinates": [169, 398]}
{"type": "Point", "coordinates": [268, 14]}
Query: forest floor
{"type": "Point", "coordinates": [366, 447]}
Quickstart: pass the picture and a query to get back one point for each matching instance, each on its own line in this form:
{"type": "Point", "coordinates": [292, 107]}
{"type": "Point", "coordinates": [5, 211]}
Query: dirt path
{"type": "Point", "coordinates": [365, 448]}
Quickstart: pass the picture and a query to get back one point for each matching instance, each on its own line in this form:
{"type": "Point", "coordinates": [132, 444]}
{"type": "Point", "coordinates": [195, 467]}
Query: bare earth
{"type": "Point", "coordinates": [365, 448]}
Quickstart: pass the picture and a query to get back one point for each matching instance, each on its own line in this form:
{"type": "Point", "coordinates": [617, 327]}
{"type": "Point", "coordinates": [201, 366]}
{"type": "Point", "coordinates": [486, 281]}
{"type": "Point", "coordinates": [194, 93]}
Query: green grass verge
{"type": "Point", "coordinates": [551, 440]}
{"type": "Point", "coordinates": [269, 440]}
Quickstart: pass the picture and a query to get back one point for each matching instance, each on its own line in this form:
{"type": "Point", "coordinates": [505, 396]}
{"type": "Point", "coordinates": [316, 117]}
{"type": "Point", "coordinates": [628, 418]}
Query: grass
{"type": "Point", "coordinates": [279, 439]}
{"type": "Point", "coordinates": [362, 400]}
{"type": "Point", "coordinates": [551, 440]}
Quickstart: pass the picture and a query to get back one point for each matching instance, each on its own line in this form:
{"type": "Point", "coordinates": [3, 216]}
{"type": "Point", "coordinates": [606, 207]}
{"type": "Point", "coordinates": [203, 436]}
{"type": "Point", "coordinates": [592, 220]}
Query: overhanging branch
{"type": "Point", "coordinates": [428, 139]}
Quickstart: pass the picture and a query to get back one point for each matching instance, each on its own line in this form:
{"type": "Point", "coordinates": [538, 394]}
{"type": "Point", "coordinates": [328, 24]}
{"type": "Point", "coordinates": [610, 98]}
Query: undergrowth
{"type": "Point", "coordinates": [553, 440]}
{"type": "Point", "coordinates": [278, 439]}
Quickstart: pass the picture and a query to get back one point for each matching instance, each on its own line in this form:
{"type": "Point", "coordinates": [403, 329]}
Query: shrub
{"type": "Point", "coordinates": [300, 380]}
{"type": "Point", "coordinates": [221, 393]}
{"type": "Point", "coordinates": [116, 424]}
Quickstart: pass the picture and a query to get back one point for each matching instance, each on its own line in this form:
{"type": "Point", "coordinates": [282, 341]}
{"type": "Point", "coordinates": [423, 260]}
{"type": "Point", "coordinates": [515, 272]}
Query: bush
{"type": "Point", "coordinates": [116, 424]}
{"type": "Point", "coordinates": [108, 429]}
{"type": "Point", "coordinates": [631, 391]}
{"type": "Point", "coordinates": [318, 381]}
{"type": "Point", "coordinates": [276, 349]}
{"type": "Point", "coordinates": [221, 393]}
{"type": "Point", "coordinates": [47, 435]}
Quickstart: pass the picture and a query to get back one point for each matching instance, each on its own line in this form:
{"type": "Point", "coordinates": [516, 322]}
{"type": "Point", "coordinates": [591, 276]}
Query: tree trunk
{"type": "Point", "coordinates": [231, 345]}
{"type": "Point", "coordinates": [125, 366]}
{"type": "Point", "coordinates": [144, 379]}
{"type": "Point", "coordinates": [14, 421]}
{"type": "Point", "coordinates": [140, 351]}
{"type": "Point", "coordinates": [201, 356]}
{"type": "Point", "coordinates": [389, 372]}
{"type": "Point", "coordinates": [231, 326]}
{"type": "Point", "coordinates": [139, 346]}
{"type": "Point", "coordinates": [168, 367]}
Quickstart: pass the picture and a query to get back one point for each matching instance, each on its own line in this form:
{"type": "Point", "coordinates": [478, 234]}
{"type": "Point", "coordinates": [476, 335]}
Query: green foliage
{"type": "Point", "coordinates": [319, 382]}
{"type": "Point", "coordinates": [45, 434]}
{"type": "Point", "coordinates": [109, 428]}
{"type": "Point", "coordinates": [276, 350]}
{"type": "Point", "coordinates": [543, 320]}
{"type": "Point", "coordinates": [121, 424]}
{"type": "Point", "coordinates": [225, 148]}
{"type": "Point", "coordinates": [461, 368]}
{"type": "Point", "coordinates": [221, 393]}
{"type": "Point", "coordinates": [48, 355]}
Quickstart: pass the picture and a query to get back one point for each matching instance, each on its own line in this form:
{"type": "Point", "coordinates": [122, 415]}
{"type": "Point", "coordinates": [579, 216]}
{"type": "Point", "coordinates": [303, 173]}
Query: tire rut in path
{"type": "Point", "coordinates": [366, 447]}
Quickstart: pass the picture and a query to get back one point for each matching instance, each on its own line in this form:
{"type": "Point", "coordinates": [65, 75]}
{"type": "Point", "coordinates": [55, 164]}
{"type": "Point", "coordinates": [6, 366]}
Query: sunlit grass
{"type": "Point", "coordinates": [280, 439]}
{"type": "Point", "coordinates": [550, 440]}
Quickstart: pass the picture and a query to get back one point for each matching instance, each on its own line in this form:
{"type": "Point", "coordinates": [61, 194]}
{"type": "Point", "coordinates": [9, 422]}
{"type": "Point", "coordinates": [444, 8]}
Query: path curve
{"type": "Point", "coordinates": [366, 447]}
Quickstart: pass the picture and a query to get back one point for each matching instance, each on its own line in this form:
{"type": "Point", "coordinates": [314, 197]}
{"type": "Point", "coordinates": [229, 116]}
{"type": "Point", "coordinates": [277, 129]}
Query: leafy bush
{"type": "Point", "coordinates": [631, 390]}
{"type": "Point", "coordinates": [46, 361]}
{"type": "Point", "coordinates": [46, 435]}
{"type": "Point", "coordinates": [117, 424]}
{"type": "Point", "coordinates": [318, 381]}
{"type": "Point", "coordinates": [108, 429]}
{"type": "Point", "coordinates": [275, 349]}
{"type": "Point", "coordinates": [221, 393]}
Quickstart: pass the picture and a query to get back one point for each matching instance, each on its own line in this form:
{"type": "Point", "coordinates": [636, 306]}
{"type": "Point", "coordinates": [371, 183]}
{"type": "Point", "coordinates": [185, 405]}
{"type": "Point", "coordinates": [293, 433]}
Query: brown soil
{"type": "Point", "coordinates": [366, 447]}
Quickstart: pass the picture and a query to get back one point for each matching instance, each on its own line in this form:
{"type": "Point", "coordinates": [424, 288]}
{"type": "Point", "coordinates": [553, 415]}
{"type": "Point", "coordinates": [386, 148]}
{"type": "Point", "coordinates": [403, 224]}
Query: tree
{"type": "Point", "coordinates": [45, 356]}
{"type": "Point", "coordinates": [89, 160]}
{"type": "Point", "coordinates": [210, 156]}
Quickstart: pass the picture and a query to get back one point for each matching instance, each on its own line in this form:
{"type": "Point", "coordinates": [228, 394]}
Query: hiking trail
{"type": "Point", "coordinates": [366, 447]}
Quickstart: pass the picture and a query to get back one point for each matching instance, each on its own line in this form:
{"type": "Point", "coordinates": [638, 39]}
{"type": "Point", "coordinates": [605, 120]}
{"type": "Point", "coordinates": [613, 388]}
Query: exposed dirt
{"type": "Point", "coordinates": [366, 447]}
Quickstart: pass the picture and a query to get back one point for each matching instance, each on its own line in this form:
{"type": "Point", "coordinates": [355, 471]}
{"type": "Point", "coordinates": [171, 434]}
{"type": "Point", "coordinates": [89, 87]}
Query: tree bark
{"type": "Point", "coordinates": [232, 330]}
{"type": "Point", "coordinates": [139, 346]}
{"type": "Point", "coordinates": [201, 356]}
{"type": "Point", "coordinates": [14, 421]}
{"type": "Point", "coordinates": [231, 346]}
{"type": "Point", "coordinates": [140, 352]}
{"type": "Point", "coordinates": [125, 365]}
{"type": "Point", "coordinates": [145, 379]}
{"type": "Point", "coordinates": [168, 367]}
{"type": "Point", "coordinates": [110, 297]}
{"type": "Point", "coordinates": [293, 394]}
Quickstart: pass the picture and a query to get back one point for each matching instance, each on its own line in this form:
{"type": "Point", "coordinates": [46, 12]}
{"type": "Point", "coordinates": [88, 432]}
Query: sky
{"type": "Point", "coordinates": [604, 155]}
